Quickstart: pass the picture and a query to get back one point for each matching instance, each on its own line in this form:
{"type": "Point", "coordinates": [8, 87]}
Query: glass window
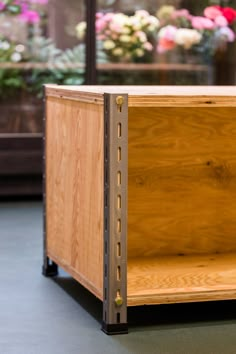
{"type": "Point", "coordinates": [188, 47]}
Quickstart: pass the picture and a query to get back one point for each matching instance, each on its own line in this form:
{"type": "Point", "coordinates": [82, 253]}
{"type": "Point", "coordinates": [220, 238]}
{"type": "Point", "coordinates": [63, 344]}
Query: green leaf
{"type": "Point", "coordinates": [14, 9]}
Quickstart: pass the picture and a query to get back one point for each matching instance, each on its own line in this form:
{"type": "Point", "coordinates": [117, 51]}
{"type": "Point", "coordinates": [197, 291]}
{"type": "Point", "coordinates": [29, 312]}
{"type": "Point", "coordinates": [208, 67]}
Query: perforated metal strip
{"type": "Point", "coordinates": [45, 259]}
{"type": "Point", "coordinates": [115, 208]}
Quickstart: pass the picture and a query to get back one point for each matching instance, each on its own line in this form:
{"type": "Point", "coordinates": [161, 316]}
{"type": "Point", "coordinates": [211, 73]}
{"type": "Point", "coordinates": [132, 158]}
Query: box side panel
{"type": "Point", "coordinates": [181, 181]}
{"type": "Point", "coordinates": [74, 189]}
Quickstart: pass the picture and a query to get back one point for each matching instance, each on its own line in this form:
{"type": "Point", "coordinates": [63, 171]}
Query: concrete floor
{"type": "Point", "coordinates": [58, 316]}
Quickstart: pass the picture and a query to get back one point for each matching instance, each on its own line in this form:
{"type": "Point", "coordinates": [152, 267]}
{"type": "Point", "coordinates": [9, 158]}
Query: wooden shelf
{"type": "Point", "coordinates": [43, 66]}
{"type": "Point", "coordinates": [173, 279]}
{"type": "Point", "coordinates": [151, 67]}
{"type": "Point", "coordinates": [110, 66]}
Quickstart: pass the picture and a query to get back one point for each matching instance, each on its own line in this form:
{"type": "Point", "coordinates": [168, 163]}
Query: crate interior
{"type": "Point", "coordinates": [181, 204]}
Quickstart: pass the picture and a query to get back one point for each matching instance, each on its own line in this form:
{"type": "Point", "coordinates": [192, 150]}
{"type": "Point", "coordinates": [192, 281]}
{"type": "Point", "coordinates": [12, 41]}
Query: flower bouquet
{"type": "Point", "coordinates": [125, 38]}
{"type": "Point", "coordinates": [199, 34]}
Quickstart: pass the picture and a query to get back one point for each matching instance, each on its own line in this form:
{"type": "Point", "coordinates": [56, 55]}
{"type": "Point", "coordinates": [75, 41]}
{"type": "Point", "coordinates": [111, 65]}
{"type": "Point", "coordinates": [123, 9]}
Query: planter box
{"type": "Point", "coordinates": [21, 145]}
{"type": "Point", "coordinates": [140, 199]}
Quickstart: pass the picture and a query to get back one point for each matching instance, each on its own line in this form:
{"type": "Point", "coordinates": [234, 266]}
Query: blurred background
{"type": "Point", "coordinates": [153, 42]}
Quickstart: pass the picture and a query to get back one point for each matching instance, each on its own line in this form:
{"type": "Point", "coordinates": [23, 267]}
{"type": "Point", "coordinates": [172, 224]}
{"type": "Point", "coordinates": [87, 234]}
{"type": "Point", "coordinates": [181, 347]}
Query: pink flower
{"type": "Point", "coordinates": [201, 23]}
{"type": "Point", "coordinates": [148, 46]}
{"type": "Point", "coordinates": [221, 21]}
{"type": "Point", "coordinates": [165, 45]}
{"type": "Point", "coordinates": [2, 5]}
{"type": "Point", "coordinates": [166, 38]}
{"type": "Point", "coordinates": [167, 32]}
{"type": "Point", "coordinates": [108, 16]}
{"type": "Point", "coordinates": [101, 37]}
{"type": "Point", "coordinates": [116, 27]}
{"type": "Point", "coordinates": [212, 12]}
{"type": "Point", "coordinates": [181, 13]}
{"type": "Point", "coordinates": [99, 15]}
{"type": "Point", "coordinates": [41, 2]}
{"type": "Point", "coordinates": [100, 25]}
{"type": "Point", "coordinates": [30, 16]}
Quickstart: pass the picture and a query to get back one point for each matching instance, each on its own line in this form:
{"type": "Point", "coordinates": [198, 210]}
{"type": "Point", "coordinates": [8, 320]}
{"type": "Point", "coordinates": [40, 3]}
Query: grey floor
{"type": "Point", "coordinates": [58, 316]}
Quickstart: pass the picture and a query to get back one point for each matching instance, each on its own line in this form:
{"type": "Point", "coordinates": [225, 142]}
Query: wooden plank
{"type": "Point", "coordinates": [41, 66]}
{"type": "Point", "coordinates": [74, 189]}
{"type": "Point", "coordinates": [108, 66]}
{"type": "Point", "coordinates": [152, 96]}
{"type": "Point", "coordinates": [175, 279]}
{"type": "Point", "coordinates": [182, 181]}
{"type": "Point", "coordinates": [151, 67]}
{"type": "Point", "coordinates": [75, 93]}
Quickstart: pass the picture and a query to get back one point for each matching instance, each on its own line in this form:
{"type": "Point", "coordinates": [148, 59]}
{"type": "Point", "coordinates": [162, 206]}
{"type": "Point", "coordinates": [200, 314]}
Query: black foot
{"type": "Point", "coordinates": [120, 328]}
{"type": "Point", "coordinates": [50, 269]}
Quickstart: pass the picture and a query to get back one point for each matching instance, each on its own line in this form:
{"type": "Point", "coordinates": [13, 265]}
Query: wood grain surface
{"type": "Point", "coordinates": [151, 96]}
{"type": "Point", "coordinates": [181, 279]}
{"type": "Point", "coordinates": [182, 181]}
{"type": "Point", "coordinates": [74, 189]}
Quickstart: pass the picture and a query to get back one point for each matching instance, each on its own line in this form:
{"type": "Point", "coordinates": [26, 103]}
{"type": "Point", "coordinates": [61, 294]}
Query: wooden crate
{"type": "Point", "coordinates": [140, 203]}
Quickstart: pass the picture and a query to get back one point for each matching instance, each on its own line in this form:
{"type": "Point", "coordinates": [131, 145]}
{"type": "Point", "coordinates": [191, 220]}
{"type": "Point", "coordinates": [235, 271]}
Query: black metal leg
{"type": "Point", "coordinates": [50, 269]}
{"type": "Point", "coordinates": [121, 328]}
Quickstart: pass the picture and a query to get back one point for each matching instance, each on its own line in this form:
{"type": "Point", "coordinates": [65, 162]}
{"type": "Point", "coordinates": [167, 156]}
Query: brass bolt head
{"type": "Point", "coordinates": [119, 100]}
{"type": "Point", "coordinates": [118, 301]}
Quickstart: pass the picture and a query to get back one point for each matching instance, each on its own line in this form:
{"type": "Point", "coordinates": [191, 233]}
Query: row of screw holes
{"type": "Point", "coordinates": [106, 201]}
{"type": "Point", "coordinates": [118, 270]}
{"type": "Point", "coordinates": [119, 220]}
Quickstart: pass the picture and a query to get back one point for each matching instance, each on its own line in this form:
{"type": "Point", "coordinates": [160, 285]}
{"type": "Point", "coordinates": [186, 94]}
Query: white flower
{"type": "Point", "coordinates": [118, 52]}
{"type": "Point", "coordinates": [135, 23]}
{"type": "Point", "coordinates": [154, 21]}
{"type": "Point", "coordinates": [139, 52]}
{"type": "Point", "coordinates": [20, 48]}
{"type": "Point", "coordinates": [153, 24]}
{"type": "Point", "coordinates": [151, 28]}
{"type": "Point", "coordinates": [121, 19]}
{"type": "Point", "coordinates": [16, 57]}
{"type": "Point", "coordinates": [108, 44]}
{"type": "Point", "coordinates": [225, 33]}
{"type": "Point", "coordinates": [4, 45]}
{"type": "Point", "coordinates": [142, 13]}
{"type": "Point", "coordinates": [141, 36]}
{"type": "Point", "coordinates": [126, 30]}
{"type": "Point", "coordinates": [80, 29]}
{"type": "Point", "coordinates": [125, 38]}
{"type": "Point", "coordinates": [187, 37]}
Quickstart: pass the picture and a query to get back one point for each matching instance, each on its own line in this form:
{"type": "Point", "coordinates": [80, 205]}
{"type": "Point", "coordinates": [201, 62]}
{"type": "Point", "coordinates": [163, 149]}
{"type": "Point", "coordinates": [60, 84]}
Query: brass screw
{"type": "Point", "coordinates": [119, 100]}
{"type": "Point", "coordinates": [118, 300]}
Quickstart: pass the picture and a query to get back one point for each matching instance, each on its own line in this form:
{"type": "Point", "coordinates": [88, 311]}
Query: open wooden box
{"type": "Point", "coordinates": [140, 202]}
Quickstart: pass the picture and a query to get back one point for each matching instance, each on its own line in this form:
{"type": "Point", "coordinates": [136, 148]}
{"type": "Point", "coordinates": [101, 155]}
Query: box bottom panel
{"type": "Point", "coordinates": [174, 279]}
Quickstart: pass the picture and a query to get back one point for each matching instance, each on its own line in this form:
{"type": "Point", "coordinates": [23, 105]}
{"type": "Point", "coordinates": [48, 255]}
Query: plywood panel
{"type": "Point", "coordinates": [182, 181]}
{"type": "Point", "coordinates": [74, 189]}
{"type": "Point", "coordinates": [153, 96]}
{"type": "Point", "coordinates": [181, 279]}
